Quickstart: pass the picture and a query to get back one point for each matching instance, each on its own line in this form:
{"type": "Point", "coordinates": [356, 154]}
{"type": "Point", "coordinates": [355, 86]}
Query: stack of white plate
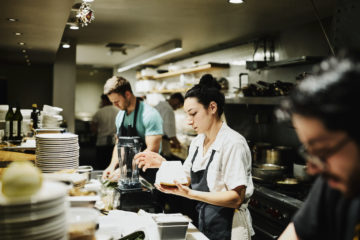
{"type": "Point", "coordinates": [57, 151]}
{"type": "Point", "coordinates": [41, 217]}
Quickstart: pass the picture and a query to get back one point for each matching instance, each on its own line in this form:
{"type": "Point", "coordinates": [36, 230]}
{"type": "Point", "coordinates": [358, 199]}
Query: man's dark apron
{"type": "Point", "coordinates": [131, 131]}
{"type": "Point", "coordinates": [214, 221]}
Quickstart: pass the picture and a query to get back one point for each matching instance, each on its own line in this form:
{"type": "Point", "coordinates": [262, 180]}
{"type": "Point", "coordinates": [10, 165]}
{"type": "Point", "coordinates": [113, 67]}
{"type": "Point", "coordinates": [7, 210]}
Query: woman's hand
{"type": "Point", "coordinates": [148, 159]}
{"type": "Point", "coordinates": [108, 172]}
{"type": "Point", "coordinates": [180, 190]}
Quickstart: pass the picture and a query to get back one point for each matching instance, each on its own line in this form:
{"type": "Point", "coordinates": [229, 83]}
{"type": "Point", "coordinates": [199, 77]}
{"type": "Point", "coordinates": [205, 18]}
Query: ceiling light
{"type": "Point", "coordinates": [23, 51]}
{"type": "Point", "coordinates": [236, 1]}
{"type": "Point", "coordinates": [21, 43]}
{"type": "Point", "coordinates": [12, 19]}
{"type": "Point", "coordinates": [74, 27]}
{"type": "Point", "coordinates": [158, 52]}
{"type": "Point", "coordinates": [65, 45]}
{"type": "Point", "coordinates": [17, 33]}
{"type": "Point", "coordinates": [88, 0]}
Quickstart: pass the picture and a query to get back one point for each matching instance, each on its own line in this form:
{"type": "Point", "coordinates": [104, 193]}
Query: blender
{"type": "Point", "coordinates": [133, 192]}
{"type": "Point", "coordinates": [129, 172]}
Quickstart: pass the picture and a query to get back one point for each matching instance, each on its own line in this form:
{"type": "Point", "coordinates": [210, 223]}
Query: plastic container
{"type": "Point", "coordinates": [171, 226]}
{"type": "Point", "coordinates": [82, 223]}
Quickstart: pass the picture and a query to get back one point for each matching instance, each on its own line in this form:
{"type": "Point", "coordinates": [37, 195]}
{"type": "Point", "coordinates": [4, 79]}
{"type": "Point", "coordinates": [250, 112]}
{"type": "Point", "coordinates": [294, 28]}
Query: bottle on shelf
{"type": "Point", "coordinates": [17, 124]}
{"type": "Point", "coordinates": [35, 116]}
{"type": "Point", "coordinates": [9, 124]}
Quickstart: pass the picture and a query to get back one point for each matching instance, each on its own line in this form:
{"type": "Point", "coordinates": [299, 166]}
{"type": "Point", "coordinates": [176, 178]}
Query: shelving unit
{"type": "Point", "coordinates": [201, 68]}
{"type": "Point", "coordinates": [255, 100]}
{"type": "Point", "coordinates": [254, 65]}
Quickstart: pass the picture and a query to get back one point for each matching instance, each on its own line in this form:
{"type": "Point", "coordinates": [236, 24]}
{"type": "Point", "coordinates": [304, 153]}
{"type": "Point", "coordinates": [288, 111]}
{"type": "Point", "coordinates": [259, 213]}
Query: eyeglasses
{"type": "Point", "coordinates": [320, 160]}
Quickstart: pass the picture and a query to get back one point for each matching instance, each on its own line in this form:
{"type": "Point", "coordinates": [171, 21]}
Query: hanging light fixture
{"type": "Point", "coordinates": [158, 52]}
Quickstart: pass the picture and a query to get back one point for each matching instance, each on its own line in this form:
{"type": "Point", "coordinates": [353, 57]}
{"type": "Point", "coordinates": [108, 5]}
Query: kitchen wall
{"type": "Point", "coordinates": [257, 123]}
{"type": "Point", "coordinates": [26, 85]}
{"type": "Point", "coordinates": [89, 87]}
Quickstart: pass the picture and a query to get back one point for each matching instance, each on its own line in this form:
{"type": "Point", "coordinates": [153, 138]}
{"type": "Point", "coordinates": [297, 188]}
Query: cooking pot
{"type": "Point", "coordinates": [279, 155]}
{"type": "Point", "coordinates": [299, 172]}
{"type": "Point", "coordinates": [259, 152]}
{"type": "Point", "coordinates": [269, 172]}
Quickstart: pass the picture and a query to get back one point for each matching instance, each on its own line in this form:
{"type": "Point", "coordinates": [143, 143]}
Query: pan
{"type": "Point", "coordinates": [269, 172]}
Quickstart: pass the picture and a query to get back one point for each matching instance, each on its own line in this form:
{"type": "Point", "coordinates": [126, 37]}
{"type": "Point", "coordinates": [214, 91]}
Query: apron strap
{"type": "Point", "coordinates": [211, 158]}
{"type": "Point", "coordinates": [194, 156]}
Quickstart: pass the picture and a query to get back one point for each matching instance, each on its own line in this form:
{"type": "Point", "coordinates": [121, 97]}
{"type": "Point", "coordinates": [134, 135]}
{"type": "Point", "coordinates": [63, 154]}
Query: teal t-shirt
{"type": "Point", "coordinates": [148, 122]}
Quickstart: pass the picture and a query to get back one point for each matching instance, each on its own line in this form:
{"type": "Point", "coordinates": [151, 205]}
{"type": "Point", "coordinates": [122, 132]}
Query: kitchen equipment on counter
{"type": "Point", "coordinates": [129, 172]}
{"type": "Point", "coordinates": [259, 151]}
{"type": "Point", "coordinates": [269, 172]}
{"type": "Point", "coordinates": [131, 194]}
{"type": "Point", "coordinates": [279, 155]}
{"type": "Point", "coordinates": [86, 171]}
{"type": "Point", "coordinates": [171, 226]}
{"type": "Point", "coordinates": [299, 172]}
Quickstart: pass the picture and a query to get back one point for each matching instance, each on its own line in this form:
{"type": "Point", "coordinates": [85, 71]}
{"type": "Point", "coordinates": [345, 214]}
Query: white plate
{"type": "Point", "coordinates": [49, 190]}
{"type": "Point", "coordinates": [56, 136]}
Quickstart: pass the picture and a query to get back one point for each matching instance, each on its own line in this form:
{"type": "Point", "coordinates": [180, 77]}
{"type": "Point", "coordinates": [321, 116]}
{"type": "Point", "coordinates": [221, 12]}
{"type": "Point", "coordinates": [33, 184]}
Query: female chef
{"type": "Point", "coordinates": [218, 167]}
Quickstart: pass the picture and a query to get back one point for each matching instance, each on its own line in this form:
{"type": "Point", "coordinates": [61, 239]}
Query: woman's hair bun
{"type": "Point", "coordinates": [209, 81]}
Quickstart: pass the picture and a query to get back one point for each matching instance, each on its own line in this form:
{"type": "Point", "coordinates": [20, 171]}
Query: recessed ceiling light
{"type": "Point", "coordinates": [21, 43]}
{"type": "Point", "coordinates": [12, 19]}
{"type": "Point", "coordinates": [88, 0]}
{"type": "Point", "coordinates": [236, 1]}
{"type": "Point", "coordinates": [18, 33]}
{"type": "Point", "coordinates": [27, 60]}
{"type": "Point", "coordinates": [65, 45]}
{"type": "Point", "coordinates": [74, 27]}
{"type": "Point", "coordinates": [23, 51]}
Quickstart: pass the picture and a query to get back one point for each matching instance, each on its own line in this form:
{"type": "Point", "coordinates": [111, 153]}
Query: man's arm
{"type": "Point", "coordinates": [114, 162]}
{"type": "Point", "coordinates": [153, 143]}
{"type": "Point", "coordinates": [289, 233]}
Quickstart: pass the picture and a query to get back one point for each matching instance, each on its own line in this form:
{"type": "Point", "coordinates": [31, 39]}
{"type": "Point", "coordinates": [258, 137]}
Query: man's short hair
{"type": "Point", "coordinates": [117, 85]}
{"type": "Point", "coordinates": [178, 96]}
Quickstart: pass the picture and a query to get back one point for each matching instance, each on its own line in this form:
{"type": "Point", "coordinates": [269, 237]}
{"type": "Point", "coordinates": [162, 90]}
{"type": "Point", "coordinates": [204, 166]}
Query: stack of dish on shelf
{"type": "Point", "coordinates": [57, 151]}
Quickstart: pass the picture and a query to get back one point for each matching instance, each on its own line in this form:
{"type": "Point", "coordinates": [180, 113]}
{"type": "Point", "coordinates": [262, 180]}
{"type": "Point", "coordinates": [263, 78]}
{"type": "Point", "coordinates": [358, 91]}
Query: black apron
{"type": "Point", "coordinates": [130, 131]}
{"type": "Point", "coordinates": [214, 221]}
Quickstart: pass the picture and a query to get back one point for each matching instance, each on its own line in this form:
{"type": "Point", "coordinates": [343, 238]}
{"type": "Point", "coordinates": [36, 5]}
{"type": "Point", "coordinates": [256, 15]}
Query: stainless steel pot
{"type": "Point", "coordinates": [269, 172]}
{"type": "Point", "coordinates": [299, 172]}
{"type": "Point", "coordinates": [279, 155]}
{"type": "Point", "coordinates": [259, 152]}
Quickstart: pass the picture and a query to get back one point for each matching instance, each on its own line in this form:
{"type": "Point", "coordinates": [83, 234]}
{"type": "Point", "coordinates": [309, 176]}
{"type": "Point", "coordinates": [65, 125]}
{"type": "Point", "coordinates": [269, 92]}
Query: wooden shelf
{"type": "Point", "coordinates": [206, 67]}
{"type": "Point", "coordinates": [169, 90]}
{"type": "Point", "coordinates": [255, 100]}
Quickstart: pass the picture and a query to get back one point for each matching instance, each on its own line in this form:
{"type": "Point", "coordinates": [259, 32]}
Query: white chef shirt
{"type": "Point", "coordinates": [230, 168]}
{"type": "Point", "coordinates": [168, 116]}
{"type": "Point", "coordinates": [231, 165]}
{"type": "Point", "coordinates": [105, 119]}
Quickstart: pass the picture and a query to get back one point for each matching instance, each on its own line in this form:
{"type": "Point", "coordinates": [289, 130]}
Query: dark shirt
{"type": "Point", "coordinates": [327, 214]}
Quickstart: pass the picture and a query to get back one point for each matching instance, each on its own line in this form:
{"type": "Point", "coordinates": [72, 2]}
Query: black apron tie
{"type": "Point", "coordinates": [214, 221]}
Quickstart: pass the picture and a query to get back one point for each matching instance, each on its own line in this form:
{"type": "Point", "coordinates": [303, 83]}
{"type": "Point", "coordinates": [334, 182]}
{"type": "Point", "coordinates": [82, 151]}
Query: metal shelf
{"type": "Point", "coordinates": [254, 65]}
{"type": "Point", "coordinates": [255, 100]}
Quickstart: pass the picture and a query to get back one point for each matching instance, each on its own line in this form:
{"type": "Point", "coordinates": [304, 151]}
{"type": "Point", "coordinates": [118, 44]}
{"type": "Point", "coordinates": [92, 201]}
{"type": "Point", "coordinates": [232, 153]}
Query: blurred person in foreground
{"type": "Point", "coordinates": [323, 109]}
{"type": "Point", "coordinates": [166, 110]}
{"type": "Point", "coordinates": [103, 124]}
{"type": "Point", "coordinates": [135, 118]}
{"type": "Point", "coordinates": [218, 168]}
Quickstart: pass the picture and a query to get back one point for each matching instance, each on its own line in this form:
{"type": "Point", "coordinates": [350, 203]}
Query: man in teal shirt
{"type": "Point", "coordinates": [147, 124]}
